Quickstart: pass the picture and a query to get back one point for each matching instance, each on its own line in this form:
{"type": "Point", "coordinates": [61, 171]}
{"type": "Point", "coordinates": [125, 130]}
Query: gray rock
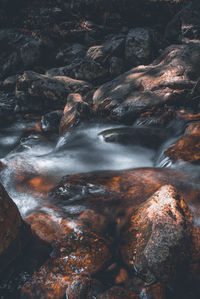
{"type": "Point", "coordinates": [35, 91]}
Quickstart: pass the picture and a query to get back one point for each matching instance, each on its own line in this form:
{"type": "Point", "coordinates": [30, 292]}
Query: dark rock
{"type": "Point", "coordinates": [14, 231]}
{"type": "Point", "coordinates": [67, 55]}
{"type": "Point", "coordinates": [75, 112]}
{"type": "Point", "coordinates": [35, 92]}
{"type": "Point", "coordinates": [185, 26]}
{"type": "Point", "coordinates": [10, 83]}
{"type": "Point", "coordinates": [138, 47]}
{"type": "Point", "coordinates": [50, 122]}
{"type": "Point", "coordinates": [82, 69]}
{"type": "Point", "coordinates": [18, 52]}
{"type": "Point", "coordinates": [169, 79]}
{"type": "Point", "coordinates": [138, 135]}
{"type": "Point", "coordinates": [7, 107]}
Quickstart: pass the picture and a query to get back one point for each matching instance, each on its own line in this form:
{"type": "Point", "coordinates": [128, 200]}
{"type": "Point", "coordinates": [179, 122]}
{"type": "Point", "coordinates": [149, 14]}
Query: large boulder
{"type": "Point", "coordinates": [13, 230]}
{"type": "Point", "coordinates": [36, 92]}
{"type": "Point", "coordinates": [169, 79]}
{"type": "Point", "coordinates": [156, 243]}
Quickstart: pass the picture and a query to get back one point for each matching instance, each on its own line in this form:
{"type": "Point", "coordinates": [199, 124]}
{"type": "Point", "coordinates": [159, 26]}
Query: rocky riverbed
{"type": "Point", "coordinates": [99, 149]}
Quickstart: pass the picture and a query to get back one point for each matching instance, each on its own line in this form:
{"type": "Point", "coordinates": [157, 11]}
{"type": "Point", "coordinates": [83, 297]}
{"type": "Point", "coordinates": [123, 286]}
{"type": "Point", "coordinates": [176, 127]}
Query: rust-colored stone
{"type": "Point", "coordinates": [156, 243]}
{"type": "Point", "coordinates": [76, 251]}
{"type": "Point", "coordinates": [187, 148]}
{"type": "Point", "coordinates": [75, 111]}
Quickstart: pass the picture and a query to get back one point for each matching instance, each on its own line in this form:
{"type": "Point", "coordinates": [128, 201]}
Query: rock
{"type": "Point", "coordinates": [118, 293]}
{"type": "Point", "coordinates": [10, 83]}
{"type": "Point", "coordinates": [116, 66]}
{"type": "Point", "coordinates": [169, 79]}
{"type": "Point", "coordinates": [14, 232]}
{"type": "Point", "coordinates": [187, 147]}
{"type": "Point", "coordinates": [82, 69]}
{"type": "Point", "coordinates": [138, 47]}
{"type": "Point", "coordinates": [18, 52]}
{"type": "Point", "coordinates": [185, 25]}
{"type": "Point", "coordinates": [138, 135]}
{"type": "Point", "coordinates": [79, 288]}
{"type": "Point", "coordinates": [70, 53]}
{"type": "Point", "coordinates": [7, 107]}
{"type": "Point", "coordinates": [37, 92]}
{"type": "Point", "coordinates": [156, 243]}
{"type": "Point", "coordinates": [76, 251]}
{"type": "Point", "coordinates": [75, 112]}
{"type": "Point", "coordinates": [50, 122]}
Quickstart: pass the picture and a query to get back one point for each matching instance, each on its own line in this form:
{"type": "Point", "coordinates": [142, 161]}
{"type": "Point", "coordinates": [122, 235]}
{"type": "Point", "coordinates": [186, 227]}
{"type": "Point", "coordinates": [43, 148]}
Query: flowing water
{"type": "Point", "coordinates": [36, 163]}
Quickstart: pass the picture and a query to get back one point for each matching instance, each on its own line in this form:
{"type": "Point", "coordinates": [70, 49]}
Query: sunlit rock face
{"type": "Point", "coordinates": [76, 251]}
{"type": "Point", "coordinates": [169, 79]}
{"type": "Point", "coordinates": [75, 112]}
{"type": "Point", "coordinates": [13, 231]}
{"type": "Point", "coordinates": [160, 239]}
{"type": "Point", "coordinates": [187, 148]}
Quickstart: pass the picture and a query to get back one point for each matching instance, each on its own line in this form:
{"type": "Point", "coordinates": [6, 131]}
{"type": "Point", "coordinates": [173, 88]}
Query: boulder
{"type": "Point", "coordinates": [36, 92]}
{"type": "Point", "coordinates": [169, 79]}
{"type": "Point", "coordinates": [13, 231]}
{"type": "Point", "coordinates": [156, 243]}
{"type": "Point", "coordinates": [138, 47]}
{"type": "Point", "coordinates": [50, 122]}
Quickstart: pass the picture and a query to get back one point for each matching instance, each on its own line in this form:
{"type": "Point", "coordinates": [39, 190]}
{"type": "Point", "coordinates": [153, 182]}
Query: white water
{"type": "Point", "coordinates": [83, 150]}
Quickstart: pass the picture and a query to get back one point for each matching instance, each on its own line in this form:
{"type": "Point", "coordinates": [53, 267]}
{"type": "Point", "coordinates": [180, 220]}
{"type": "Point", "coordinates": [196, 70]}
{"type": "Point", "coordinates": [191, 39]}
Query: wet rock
{"type": "Point", "coordinates": [116, 66]}
{"type": "Point", "coordinates": [94, 220]}
{"type": "Point", "coordinates": [7, 107]}
{"type": "Point", "coordinates": [14, 232]}
{"type": "Point", "coordinates": [185, 25]}
{"type": "Point", "coordinates": [50, 122]}
{"type": "Point", "coordinates": [169, 79]}
{"type": "Point", "coordinates": [75, 112]}
{"type": "Point", "coordinates": [79, 288]}
{"type": "Point", "coordinates": [187, 147]}
{"type": "Point", "coordinates": [138, 48]}
{"type": "Point", "coordinates": [138, 135]}
{"type": "Point", "coordinates": [156, 244]}
{"type": "Point", "coordinates": [10, 83]}
{"type": "Point", "coordinates": [35, 92]}
{"type": "Point", "coordinates": [76, 251]}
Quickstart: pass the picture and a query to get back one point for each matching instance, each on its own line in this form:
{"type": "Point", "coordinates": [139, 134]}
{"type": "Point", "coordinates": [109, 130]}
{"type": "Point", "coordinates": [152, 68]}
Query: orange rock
{"type": "Point", "coordinates": [187, 148]}
{"type": "Point", "coordinates": [75, 111]}
{"type": "Point", "coordinates": [76, 251]}
{"type": "Point", "coordinates": [157, 240]}
{"type": "Point", "coordinates": [118, 293]}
